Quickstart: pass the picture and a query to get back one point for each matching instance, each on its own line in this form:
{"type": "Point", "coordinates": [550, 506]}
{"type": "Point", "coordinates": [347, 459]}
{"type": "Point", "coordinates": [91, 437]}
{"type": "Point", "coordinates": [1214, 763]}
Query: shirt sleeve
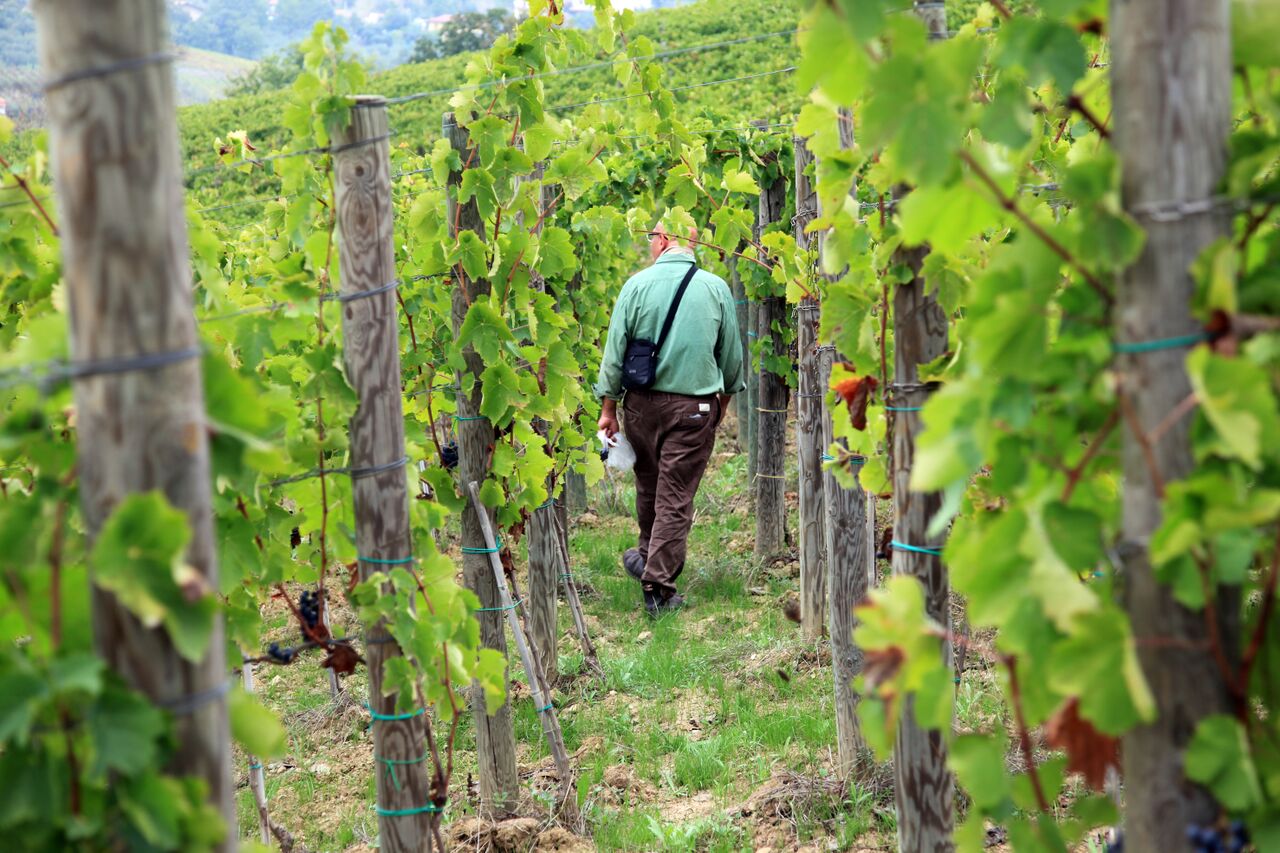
{"type": "Point", "coordinates": [609, 382]}
{"type": "Point", "coordinates": [729, 346]}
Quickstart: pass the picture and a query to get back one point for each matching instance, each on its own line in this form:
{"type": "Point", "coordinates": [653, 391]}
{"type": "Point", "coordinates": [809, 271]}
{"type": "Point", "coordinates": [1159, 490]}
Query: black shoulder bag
{"type": "Point", "coordinates": [640, 361]}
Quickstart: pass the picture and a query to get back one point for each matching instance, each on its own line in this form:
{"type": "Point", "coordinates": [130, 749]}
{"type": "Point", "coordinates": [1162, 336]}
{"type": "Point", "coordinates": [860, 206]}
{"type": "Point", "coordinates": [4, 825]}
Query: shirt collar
{"type": "Point", "coordinates": [676, 254]}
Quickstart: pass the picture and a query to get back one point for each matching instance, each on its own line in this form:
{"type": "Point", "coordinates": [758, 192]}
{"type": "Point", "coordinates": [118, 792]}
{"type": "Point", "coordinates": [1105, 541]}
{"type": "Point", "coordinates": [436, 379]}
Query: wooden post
{"type": "Point", "coordinates": [589, 655]}
{"type": "Point", "coordinates": [141, 425]}
{"type": "Point", "coordinates": [495, 735]}
{"type": "Point", "coordinates": [743, 403]}
{"type": "Point", "coordinates": [846, 544]}
{"type": "Point", "coordinates": [371, 354]}
{"type": "Point", "coordinates": [809, 405]}
{"type": "Point", "coordinates": [539, 690]}
{"type": "Point", "coordinates": [544, 547]}
{"type": "Point", "coordinates": [335, 686]}
{"type": "Point", "coordinates": [923, 785]}
{"type": "Point", "coordinates": [257, 781]}
{"type": "Point", "coordinates": [772, 401]}
{"type": "Point", "coordinates": [1172, 149]}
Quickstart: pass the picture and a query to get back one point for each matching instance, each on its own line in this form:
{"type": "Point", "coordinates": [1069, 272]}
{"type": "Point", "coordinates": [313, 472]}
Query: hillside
{"type": "Point", "coordinates": [202, 76]}
{"type": "Point", "coordinates": [770, 98]}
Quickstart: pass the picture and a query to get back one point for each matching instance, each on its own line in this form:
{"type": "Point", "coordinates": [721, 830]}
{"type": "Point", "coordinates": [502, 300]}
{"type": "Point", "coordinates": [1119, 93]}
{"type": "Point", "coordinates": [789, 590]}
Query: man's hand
{"type": "Point", "coordinates": [724, 406]}
{"type": "Point", "coordinates": [608, 417]}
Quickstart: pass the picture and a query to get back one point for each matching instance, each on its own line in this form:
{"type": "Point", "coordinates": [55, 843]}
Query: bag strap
{"type": "Point", "coordinates": [675, 305]}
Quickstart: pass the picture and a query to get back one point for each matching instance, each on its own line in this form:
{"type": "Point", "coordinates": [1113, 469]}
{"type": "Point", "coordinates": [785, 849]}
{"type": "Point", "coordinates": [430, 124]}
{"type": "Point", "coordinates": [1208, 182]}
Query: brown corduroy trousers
{"type": "Point", "coordinates": [673, 436]}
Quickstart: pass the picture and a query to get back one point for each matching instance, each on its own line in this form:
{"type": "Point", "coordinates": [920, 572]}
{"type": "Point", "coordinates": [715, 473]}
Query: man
{"type": "Point", "coordinates": [672, 424]}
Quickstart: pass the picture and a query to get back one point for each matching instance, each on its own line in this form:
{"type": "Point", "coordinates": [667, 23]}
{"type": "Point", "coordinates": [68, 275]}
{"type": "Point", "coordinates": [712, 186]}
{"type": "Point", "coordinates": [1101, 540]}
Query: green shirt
{"type": "Point", "coordinates": [703, 353]}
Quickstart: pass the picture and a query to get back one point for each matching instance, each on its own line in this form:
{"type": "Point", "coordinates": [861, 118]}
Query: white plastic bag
{"type": "Point", "coordinates": [622, 456]}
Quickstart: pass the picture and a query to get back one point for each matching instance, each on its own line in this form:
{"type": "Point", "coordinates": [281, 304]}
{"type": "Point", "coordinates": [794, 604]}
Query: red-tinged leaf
{"type": "Point", "coordinates": [1089, 752]}
{"type": "Point", "coordinates": [342, 659]}
{"type": "Point", "coordinates": [856, 393]}
{"type": "Point", "coordinates": [881, 665]}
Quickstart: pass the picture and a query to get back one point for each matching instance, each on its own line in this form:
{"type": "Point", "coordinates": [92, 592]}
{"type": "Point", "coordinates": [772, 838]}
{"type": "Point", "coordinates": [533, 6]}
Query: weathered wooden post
{"type": "Point", "coordinates": [923, 786]}
{"type": "Point", "coordinates": [850, 557]}
{"type": "Point", "coordinates": [379, 490]}
{"type": "Point", "coordinates": [744, 403]}
{"type": "Point", "coordinates": [1173, 152]}
{"type": "Point", "coordinates": [809, 405]}
{"type": "Point", "coordinates": [539, 689]}
{"type": "Point", "coordinates": [772, 400]}
{"type": "Point", "coordinates": [257, 781]}
{"type": "Point", "coordinates": [544, 544]}
{"type": "Point", "coordinates": [495, 735]}
{"type": "Point", "coordinates": [139, 394]}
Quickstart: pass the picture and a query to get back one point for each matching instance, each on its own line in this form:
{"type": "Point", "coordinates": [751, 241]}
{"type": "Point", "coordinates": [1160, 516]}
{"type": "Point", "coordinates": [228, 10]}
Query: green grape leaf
{"type": "Point", "coordinates": [978, 761]}
{"type": "Point", "coordinates": [138, 556]}
{"type": "Point", "coordinates": [1076, 535]}
{"type": "Point", "coordinates": [1236, 397]}
{"type": "Point", "coordinates": [485, 329]}
{"type": "Point", "coordinates": [946, 216]}
{"type": "Point", "coordinates": [1099, 664]}
{"type": "Point", "coordinates": [254, 727]}
{"type": "Point", "coordinates": [20, 696]}
{"type": "Point", "coordinates": [1220, 758]}
{"type": "Point", "coordinates": [125, 728]}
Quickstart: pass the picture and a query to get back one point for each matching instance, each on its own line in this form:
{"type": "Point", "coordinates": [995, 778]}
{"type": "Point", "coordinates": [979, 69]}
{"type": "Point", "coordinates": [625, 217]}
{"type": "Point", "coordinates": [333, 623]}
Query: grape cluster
{"type": "Point", "coordinates": [309, 607]}
{"type": "Point", "coordinates": [278, 654]}
{"type": "Point", "coordinates": [449, 455]}
{"type": "Point", "coordinates": [1212, 839]}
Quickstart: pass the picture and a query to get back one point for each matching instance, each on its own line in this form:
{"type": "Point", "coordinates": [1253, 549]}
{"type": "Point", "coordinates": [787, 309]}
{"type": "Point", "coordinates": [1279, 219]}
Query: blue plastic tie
{"type": "Point", "coordinates": [255, 766]}
{"type": "Point", "coordinates": [512, 606]}
{"type": "Point", "coordinates": [545, 710]}
{"type": "Point", "coordinates": [383, 718]}
{"type": "Point", "coordinates": [933, 552]}
{"type": "Point", "coordinates": [470, 418]}
{"type": "Point", "coordinates": [852, 460]}
{"type": "Point", "coordinates": [752, 335]}
{"type": "Point", "coordinates": [406, 812]}
{"type": "Point", "coordinates": [1137, 347]}
{"type": "Point", "coordinates": [400, 562]}
{"type": "Point", "coordinates": [903, 408]}
{"type": "Point", "coordinates": [493, 550]}
{"type": "Point", "coordinates": [545, 504]}
{"type": "Point", "coordinates": [392, 762]}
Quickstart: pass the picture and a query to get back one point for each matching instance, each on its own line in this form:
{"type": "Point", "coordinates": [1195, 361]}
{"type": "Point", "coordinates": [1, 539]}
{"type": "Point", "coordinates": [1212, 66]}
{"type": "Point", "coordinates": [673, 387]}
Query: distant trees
{"type": "Point", "coordinates": [236, 27]}
{"type": "Point", "coordinates": [273, 71]}
{"type": "Point", "coordinates": [466, 32]}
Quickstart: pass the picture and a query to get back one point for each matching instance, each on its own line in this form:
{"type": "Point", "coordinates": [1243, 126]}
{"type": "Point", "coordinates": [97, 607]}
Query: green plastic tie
{"type": "Point", "coordinates": [544, 505]}
{"type": "Point", "coordinates": [381, 718]}
{"type": "Point", "coordinates": [400, 562]}
{"type": "Point", "coordinates": [255, 766]}
{"type": "Point", "coordinates": [903, 408]}
{"type": "Point", "coordinates": [429, 809]}
{"type": "Point", "coordinates": [933, 552]}
{"type": "Point", "coordinates": [470, 418]}
{"type": "Point", "coordinates": [545, 710]}
{"type": "Point", "coordinates": [1138, 347]}
{"type": "Point", "coordinates": [392, 762]}
{"type": "Point", "coordinates": [512, 606]}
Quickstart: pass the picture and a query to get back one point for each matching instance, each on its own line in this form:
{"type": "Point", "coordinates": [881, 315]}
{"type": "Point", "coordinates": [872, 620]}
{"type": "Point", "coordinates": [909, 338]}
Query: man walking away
{"type": "Point", "coordinates": [671, 422]}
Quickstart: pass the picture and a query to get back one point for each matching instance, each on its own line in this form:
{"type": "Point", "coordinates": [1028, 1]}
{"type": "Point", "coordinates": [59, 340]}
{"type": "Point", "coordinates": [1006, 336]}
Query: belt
{"type": "Point", "coordinates": [667, 395]}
